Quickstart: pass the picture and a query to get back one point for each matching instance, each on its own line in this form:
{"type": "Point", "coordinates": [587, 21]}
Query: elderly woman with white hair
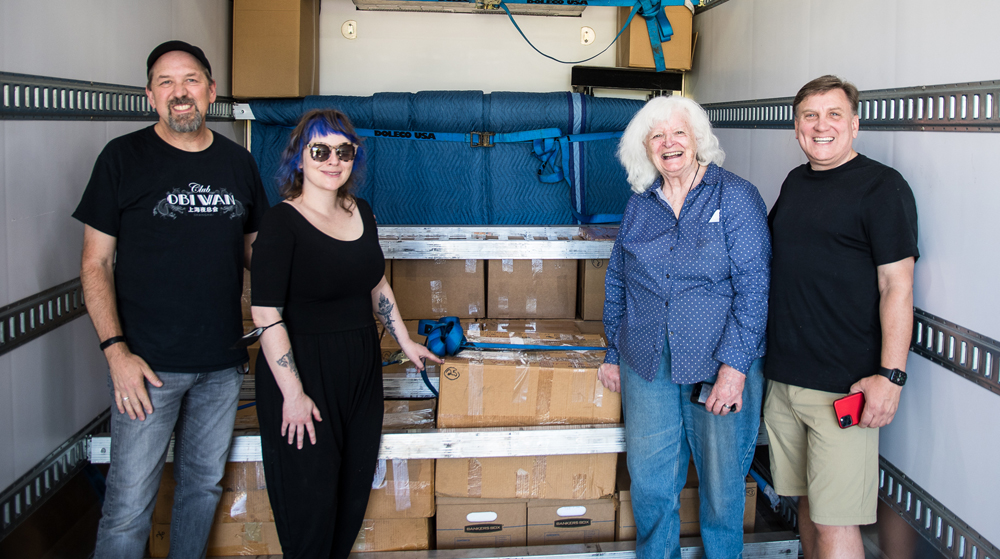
{"type": "Point", "coordinates": [685, 314]}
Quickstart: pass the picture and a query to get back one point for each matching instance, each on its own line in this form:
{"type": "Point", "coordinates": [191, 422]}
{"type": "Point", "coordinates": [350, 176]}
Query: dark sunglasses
{"type": "Point", "coordinates": [321, 152]}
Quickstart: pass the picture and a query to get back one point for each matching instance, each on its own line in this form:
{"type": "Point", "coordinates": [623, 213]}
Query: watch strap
{"type": "Point", "coordinates": [894, 375]}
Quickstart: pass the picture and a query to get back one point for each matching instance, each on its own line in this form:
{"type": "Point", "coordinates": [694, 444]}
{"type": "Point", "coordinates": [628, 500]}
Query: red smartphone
{"type": "Point", "coordinates": [849, 409]}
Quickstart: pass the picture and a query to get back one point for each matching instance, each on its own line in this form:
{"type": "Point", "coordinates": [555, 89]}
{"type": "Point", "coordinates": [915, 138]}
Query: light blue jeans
{"type": "Point", "coordinates": [201, 409]}
{"type": "Point", "coordinates": [663, 431]}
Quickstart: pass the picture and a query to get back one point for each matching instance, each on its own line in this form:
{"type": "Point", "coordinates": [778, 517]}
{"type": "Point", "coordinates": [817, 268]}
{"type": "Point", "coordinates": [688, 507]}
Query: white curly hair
{"type": "Point", "coordinates": [632, 147]}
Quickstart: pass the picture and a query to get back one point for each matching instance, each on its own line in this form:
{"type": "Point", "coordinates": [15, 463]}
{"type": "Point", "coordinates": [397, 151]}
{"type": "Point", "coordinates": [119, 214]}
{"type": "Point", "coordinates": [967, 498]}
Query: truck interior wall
{"type": "Point", "coordinates": [413, 52]}
{"type": "Point", "coordinates": [52, 387]}
{"type": "Point", "coordinates": [943, 434]}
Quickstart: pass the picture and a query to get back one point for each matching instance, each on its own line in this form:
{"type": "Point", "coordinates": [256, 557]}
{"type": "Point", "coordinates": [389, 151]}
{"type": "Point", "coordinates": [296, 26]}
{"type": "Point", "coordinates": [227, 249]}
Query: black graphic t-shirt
{"type": "Point", "coordinates": [179, 218]}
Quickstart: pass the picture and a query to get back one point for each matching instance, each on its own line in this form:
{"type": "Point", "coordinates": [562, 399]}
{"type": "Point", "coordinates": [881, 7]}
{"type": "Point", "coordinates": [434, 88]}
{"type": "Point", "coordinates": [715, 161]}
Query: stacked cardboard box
{"type": "Point", "coordinates": [275, 48]}
{"type": "Point", "coordinates": [590, 292]}
{"type": "Point", "coordinates": [690, 526]}
{"type": "Point", "coordinates": [436, 288]}
{"type": "Point", "coordinates": [525, 388]}
{"type": "Point", "coordinates": [399, 509]}
{"type": "Point", "coordinates": [531, 288]}
{"type": "Point", "coordinates": [402, 499]}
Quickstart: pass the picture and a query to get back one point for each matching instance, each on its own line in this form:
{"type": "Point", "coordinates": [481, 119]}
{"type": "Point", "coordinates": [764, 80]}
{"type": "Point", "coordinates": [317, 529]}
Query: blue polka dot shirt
{"type": "Point", "coordinates": [701, 280]}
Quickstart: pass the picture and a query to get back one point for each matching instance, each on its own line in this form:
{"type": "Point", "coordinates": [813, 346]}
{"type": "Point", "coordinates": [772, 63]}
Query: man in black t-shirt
{"type": "Point", "coordinates": [844, 237]}
{"type": "Point", "coordinates": [169, 216]}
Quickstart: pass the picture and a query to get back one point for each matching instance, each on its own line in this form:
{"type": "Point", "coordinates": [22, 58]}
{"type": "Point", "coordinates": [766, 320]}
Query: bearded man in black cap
{"type": "Point", "coordinates": [169, 216]}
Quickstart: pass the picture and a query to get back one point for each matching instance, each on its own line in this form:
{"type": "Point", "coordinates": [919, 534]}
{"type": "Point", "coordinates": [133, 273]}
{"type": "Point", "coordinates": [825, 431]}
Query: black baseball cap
{"type": "Point", "coordinates": [170, 46]}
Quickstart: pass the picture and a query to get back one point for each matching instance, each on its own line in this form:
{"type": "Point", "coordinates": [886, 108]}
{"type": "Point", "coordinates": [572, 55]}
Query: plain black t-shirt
{"type": "Point", "coordinates": [179, 218]}
{"type": "Point", "coordinates": [324, 284]}
{"type": "Point", "coordinates": [829, 231]}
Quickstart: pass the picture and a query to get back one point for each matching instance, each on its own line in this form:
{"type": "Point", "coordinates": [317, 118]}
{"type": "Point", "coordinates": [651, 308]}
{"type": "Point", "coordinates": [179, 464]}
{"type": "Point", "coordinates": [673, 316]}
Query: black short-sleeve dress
{"type": "Point", "coordinates": [319, 493]}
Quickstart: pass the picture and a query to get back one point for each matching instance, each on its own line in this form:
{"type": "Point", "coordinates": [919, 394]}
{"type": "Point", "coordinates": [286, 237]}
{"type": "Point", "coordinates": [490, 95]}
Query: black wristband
{"type": "Point", "coordinates": [111, 341]}
{"type": "Point", "coordinates": [894, 375]}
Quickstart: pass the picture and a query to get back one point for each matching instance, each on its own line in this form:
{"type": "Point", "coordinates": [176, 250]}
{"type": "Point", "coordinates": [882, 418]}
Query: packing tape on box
{"type": "Point", "coordinates": [543, 403]}
{"type": "Point", "coordinates": [362, 543]}
{"type": "Point", "coordinates": [507, 265]}
{"type": "Point", "coordinates": [252, 532]}
{"type": "Point", "coordinates": [536, 266]}
{"type": "Point", "coordinates": [378, 482]}
{"type": "Point", "coordinates": [470, 266]}
{"type": "Point", "coordinates": [401, 483]}
{"type": "Point", "coordinates": [476, 371]}
{"type": "Point", "coordinates": [239, 506]}
{"type": "Point", "coordinates": [539, 465]}
{"type": "Point", "coordinates": [522, 377]}
{"type": "Point", "coordinates": [439, 299]}
{"type": "Point", "coordinates": [579, 486]}
{"type": "Point", "coordinates": [475, 478]}
{"type": "Point", "coordinates": [522, 481]}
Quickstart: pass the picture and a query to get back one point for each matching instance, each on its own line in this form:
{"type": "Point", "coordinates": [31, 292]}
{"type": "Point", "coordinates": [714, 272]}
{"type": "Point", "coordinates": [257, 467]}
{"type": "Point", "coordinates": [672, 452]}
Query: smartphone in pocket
{"type": "Point", "coordinates": [849, 408]}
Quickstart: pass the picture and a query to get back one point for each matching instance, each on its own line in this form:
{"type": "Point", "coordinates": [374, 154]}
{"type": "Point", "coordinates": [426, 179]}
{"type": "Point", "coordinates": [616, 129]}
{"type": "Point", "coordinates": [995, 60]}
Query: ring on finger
{"type": "Point", "coordinates": [124, 398]}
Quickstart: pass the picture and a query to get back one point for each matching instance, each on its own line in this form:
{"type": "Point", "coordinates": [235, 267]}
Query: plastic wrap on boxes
{"type": "Point", "coordinates": [518, 388]}
{"type": "Point", "coordinates": [409, 414]}
{"type": "Point", "coordinates": [393, 534]}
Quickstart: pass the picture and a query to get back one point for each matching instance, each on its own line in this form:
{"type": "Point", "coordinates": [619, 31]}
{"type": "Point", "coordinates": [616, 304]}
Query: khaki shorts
{"type": "Point", "coordinates": [812, 456]}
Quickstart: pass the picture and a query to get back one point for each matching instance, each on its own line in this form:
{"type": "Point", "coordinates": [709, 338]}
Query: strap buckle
{"type": "Point", "coordinates": [481, 139]}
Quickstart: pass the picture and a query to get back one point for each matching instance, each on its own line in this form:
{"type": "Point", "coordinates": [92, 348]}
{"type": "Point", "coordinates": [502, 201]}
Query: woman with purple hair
{"type": "Point", "coordinates": [318, 273]}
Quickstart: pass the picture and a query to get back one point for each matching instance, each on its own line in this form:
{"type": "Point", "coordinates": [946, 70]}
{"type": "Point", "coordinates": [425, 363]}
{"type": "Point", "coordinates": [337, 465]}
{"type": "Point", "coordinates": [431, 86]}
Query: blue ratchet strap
{"type": "Point", "coordinates": [564, 143]}
{"type": "Point", "coordinates": [547, 152]}
{"type": "Point", "coordinates": [474, 139]}
{"type": "Point", "coordinates": [658, 27]}
{"type": "Point", "coordinates": [247, 405]}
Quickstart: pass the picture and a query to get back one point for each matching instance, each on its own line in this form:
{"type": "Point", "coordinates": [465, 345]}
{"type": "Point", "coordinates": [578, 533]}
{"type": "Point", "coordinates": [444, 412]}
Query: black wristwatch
{"type": "Point", "coordinates": [894, 375]}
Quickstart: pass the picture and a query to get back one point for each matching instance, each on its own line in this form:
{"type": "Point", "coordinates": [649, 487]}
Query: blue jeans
{"type": "Point", "coordinates": [663, 431]}
{"type": "Point", "coordinates": [201, 409]}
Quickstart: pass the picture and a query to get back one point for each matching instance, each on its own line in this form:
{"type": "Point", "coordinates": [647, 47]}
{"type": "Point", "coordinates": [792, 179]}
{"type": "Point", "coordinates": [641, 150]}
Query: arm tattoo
{"type": "Point", "coordinates": [385, 313]}
{"type": "Point", "coordinates": [288, 362]}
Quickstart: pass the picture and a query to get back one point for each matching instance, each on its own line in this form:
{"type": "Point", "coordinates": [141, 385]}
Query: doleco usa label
{"type": "Point", "coordinates": [404, 134]}
{"type": "Point", "coordinates": [479, 528]}
{"type": "Point", "coordinates": [571, 523]}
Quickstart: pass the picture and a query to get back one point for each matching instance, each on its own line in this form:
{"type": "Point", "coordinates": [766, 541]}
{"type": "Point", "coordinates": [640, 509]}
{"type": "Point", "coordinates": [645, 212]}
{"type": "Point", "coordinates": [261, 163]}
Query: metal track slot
{"type": "Point", "coordinates": [960, 107]}
{"type": "Point", "coordinates": [959, 349]}
{"type": "Point", "coordinates": [27, 96]}
{"type": "Point", "coordinates": [29, 318]}
{"type": "Point", "coordinates": [29, 492]}
{"type": "Point", "coordinates": [938, 525]}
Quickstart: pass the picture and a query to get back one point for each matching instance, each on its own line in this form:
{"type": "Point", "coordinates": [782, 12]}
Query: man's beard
{"type": "Point", "coordinates": [190, 122]}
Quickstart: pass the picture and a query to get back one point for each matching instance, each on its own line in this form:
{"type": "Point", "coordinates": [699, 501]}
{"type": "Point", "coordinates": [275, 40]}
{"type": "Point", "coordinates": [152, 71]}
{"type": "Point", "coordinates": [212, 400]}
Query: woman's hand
{"type": "Point", "coordinates": [297, 416]}
{"type": "Point", "coordinates": [728, 391]}
{"type": "Point", "coordinates": [610, 376]}
{"type": "Point", "coordinates": [417, 353]}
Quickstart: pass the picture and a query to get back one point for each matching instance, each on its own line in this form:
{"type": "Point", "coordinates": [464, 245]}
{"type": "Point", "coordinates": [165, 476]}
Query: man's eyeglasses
{"type": "Point", "coordinates": [321, 152]}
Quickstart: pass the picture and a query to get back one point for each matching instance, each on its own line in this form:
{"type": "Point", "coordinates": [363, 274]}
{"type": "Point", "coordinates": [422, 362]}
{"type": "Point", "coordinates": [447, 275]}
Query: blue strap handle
{"type": "Point", "coordinates": [444, 336]}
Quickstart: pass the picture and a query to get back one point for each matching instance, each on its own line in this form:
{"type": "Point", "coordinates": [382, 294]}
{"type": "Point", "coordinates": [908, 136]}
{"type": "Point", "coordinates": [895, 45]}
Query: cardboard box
{"type": "Point", "coordinates": [583, 476]}
{"type": "Point", "coordinates": [244, 495]}
{"type": "Point", "coordinates": [514, 388]}
{"type": "Point", "coordinates": [394, 534]}
{"type": "Point", "coordinates": [225, 540]}
{"type": "Point", "coordinates": [634, 50]}
{"type": "Point", "coordinates": [565, 522]}
{"type": "Point", "coordinates": [402, 489]}
{"type": "Point", "coordinates": [531, 288]}
{"type": "Point", "coordinates": [246, 416]}
{"type": "Point", "coordinates": [690, 526]}
{"type": "Point", "coordinates": [275, 48]}
{"type": "Point", "coordinates": [590, 289]}
{"type": "Point", "coordinates": [427, 289]}
{"type": "Point", "coordinates": [467, 523]}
